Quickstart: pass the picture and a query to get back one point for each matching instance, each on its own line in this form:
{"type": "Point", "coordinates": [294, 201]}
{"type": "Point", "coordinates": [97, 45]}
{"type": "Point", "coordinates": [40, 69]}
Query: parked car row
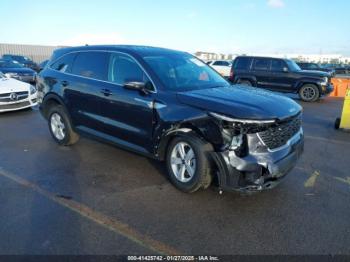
{"type": "Point", "coordinates": [316, 67]}
{"type": "Point", "coordinates": [334, 69]}
{"type": "Point", "coordinates": [17, 71]}
{"type": "Point", "coordinates": [170, 106]}
{"type": "Point", "coordinates": [16, 95]}
{"type": "Point", "coordinates": [23, 60]}
{"type": "Point", "coordinates": [17, 83]}
{"type": "Point", "coordinates": [223, 67]}
{"type": "Point", "coordinates": [339, 69]}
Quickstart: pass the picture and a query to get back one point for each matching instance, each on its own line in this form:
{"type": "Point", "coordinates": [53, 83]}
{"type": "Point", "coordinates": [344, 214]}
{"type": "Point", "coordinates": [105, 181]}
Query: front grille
{"type": "Point", "coordinates": [14, 106]}
{"type": "Point", "coordinates": [278, 135]}
{"type": "Point", "coordinates": [7, 97]}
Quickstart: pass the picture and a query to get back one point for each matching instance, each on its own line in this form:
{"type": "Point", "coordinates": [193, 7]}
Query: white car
{"type": "Point", "coordinates": [221, 66]}
{"type": "Point", "coordinates": [16, 95]}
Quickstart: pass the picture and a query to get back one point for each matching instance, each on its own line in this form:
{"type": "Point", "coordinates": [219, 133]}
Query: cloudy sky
{"type": "Point", "coordinates": [228, 26]}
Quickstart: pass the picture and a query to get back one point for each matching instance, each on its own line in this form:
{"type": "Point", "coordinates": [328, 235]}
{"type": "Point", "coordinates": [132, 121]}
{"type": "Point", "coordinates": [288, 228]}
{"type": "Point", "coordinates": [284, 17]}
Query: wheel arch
{"type": "Point", "coordinates": [182, 129]}
{"type": "Point", "coordinates": [251, 79]}
{"type": "Point", "coordinates": [300, 84]}
{"type": "Point", "coordinates": [50, 100]}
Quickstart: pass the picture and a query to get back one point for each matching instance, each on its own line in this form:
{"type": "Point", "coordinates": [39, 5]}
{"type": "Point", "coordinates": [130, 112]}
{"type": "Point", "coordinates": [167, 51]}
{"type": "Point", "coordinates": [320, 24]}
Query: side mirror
{"type": "Point", "coordinates": [140, 86]}
{"type": "Point", "coordinates": [285, 69]}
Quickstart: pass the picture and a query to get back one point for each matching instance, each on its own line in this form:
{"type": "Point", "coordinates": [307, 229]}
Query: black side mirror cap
{"type": "Point", "coordinates": [134, 85]}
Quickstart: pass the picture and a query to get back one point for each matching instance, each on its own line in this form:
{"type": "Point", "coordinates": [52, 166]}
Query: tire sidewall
{"type": "Point", "coordinates": [317, 93]}
{"type": "Point", "coordinates": [60, 111]}
{"type": "Point", "coordinates": [245, 82]}
{"type": "Point", "coordinates": [201, 162]}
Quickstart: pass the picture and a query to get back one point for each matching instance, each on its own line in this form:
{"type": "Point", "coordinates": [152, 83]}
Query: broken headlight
{"type": "Point", "coordinates": [234, 131]}
{"type": "Point", "coordinates": [324, 81]}
{"type": "Point", "coordinates": [236, 142]}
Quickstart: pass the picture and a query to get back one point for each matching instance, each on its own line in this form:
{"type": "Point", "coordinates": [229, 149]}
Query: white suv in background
{"type": "Point", "coordinates": [16, 95]}
{"type": "Point", "coordinates": [221, 66]}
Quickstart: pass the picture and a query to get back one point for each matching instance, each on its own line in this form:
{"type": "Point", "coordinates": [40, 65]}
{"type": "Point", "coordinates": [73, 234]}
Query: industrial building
{"type": "Point", "coordinates": [37, 53]}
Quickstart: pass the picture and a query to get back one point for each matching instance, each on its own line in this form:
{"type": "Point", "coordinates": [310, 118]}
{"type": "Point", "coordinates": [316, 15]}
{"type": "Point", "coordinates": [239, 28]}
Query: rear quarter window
{"type": "Point", "coordinates": [64, 64]}
{"type": "Point", "coordinates": [243, 63]}
{"type": "Point", "coordinates": [262, 64]}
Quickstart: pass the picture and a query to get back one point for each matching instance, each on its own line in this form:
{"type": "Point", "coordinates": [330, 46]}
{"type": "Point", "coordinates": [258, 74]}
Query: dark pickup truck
{"type": "Point", "coordinates": [282, 75]}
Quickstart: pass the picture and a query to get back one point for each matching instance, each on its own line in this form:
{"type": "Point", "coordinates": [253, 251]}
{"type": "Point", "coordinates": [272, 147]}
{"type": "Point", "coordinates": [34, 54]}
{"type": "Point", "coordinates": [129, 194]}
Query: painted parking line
{"type": "Point", "coordinates": [310, 182]}
{"type": "Point", "coordinates": [97, 217]}
{"type": "Point", "coordinates": [328, 140]}
{"type": "Point", "coordinates": [346, 181]}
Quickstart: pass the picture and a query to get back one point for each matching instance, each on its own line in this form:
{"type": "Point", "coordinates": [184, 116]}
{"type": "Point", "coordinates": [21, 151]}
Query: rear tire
{"type": "Point", "coordinates": [309, 93]}
{"type": "Point", "coordinates": [244, 82]}
{"type": "Point", "coordinates": [190, 170]}
{"type": "Point", "coordinates": [60, 126]}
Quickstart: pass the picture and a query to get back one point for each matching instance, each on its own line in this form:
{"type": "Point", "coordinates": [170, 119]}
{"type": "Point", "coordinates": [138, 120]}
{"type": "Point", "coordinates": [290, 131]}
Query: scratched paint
{"type": "Point", "coordinates": [312, 179]}
{"type": "Point", "coordinates": [99, 218]}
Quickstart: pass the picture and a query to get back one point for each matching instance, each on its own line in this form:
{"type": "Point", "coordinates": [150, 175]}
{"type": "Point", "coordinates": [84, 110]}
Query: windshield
{"type": "Point", "coordinates": [292, 65]}
{"type": "Point", "coordinates": [183, 72]}
{"type": "Point", "coordinates": [313, 66]}
{"type": "Point", "coordinates": [21, 59]}
{"type": "Point", "coordinates": [10, 64]}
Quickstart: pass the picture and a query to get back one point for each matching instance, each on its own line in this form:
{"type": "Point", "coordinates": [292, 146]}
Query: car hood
{"type": "Point", "coordinates": [22, 70]}
{"type": "Point", "coordinates": [9, 85]}
{"type": "Point", "coordinates": [313, 73]}
{"type": "Point", "coordinates": [241, 102]}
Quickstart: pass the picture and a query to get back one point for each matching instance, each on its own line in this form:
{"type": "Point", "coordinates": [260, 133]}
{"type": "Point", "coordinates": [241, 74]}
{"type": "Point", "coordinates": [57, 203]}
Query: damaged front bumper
{"type": "Point", "coordinates": [261, 169]}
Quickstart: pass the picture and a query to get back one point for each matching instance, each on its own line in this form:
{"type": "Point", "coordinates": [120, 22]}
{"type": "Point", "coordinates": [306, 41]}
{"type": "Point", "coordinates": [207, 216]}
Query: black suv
{"type": "Point", "coordinates": [170, 106]}
{"type": "Point", "coordinates": [282, 75]}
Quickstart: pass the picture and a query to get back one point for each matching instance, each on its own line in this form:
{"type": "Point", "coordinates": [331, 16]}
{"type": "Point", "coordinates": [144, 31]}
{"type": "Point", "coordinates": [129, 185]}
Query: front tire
{"type": "Point", "coordinates": [60, 126]}
{"type": "Point", "coordinates": [188, 163]}
{"type": "Point", "coordinates": [309, 93]}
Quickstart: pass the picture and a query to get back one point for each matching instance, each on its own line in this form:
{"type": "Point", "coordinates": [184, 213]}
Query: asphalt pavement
{"type": "Point", "coordinates": [93, 198]}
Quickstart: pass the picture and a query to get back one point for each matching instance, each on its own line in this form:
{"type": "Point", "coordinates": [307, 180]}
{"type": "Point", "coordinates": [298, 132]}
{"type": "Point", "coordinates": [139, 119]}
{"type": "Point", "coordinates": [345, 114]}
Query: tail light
{"type": "Point", "coordinates": [231, 74]}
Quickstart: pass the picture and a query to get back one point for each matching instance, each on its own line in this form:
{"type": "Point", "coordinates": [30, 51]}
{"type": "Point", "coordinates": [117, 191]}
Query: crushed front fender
{"type": "Point", "coordinates": [258, 170]}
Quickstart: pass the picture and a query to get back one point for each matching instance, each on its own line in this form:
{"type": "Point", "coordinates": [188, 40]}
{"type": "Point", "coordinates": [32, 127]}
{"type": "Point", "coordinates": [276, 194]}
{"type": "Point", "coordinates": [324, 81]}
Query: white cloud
{"type": "Point", "coordinates": [94, 39]}
{"type": "Point", "coordinates": [276, 3]}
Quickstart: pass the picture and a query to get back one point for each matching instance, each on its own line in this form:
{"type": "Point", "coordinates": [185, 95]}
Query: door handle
{"type": "Point", "coordinates": [106, 92]}
{"type": "Point", "coordinates": [64, 83]}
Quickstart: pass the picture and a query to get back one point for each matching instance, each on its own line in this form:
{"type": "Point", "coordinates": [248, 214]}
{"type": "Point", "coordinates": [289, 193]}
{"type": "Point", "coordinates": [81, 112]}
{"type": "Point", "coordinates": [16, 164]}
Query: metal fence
{"type": "Point", "coordinates": [36, 52]}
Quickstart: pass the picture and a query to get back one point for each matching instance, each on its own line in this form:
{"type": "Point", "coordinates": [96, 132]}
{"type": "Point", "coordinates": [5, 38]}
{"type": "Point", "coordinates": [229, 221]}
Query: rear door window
{"type": "Point", "coordinates": [92, 65]}
{"type": "Point", "coordinates": [262, 64]}
{"type": "Point", "coordinates": [277, 65]}
{"type": "Point", "coordinates": [243, 63]}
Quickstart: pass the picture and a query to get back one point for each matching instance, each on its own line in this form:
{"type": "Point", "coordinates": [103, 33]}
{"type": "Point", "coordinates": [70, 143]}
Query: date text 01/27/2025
{"type": "Point", "coordinates": [173, 258]}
